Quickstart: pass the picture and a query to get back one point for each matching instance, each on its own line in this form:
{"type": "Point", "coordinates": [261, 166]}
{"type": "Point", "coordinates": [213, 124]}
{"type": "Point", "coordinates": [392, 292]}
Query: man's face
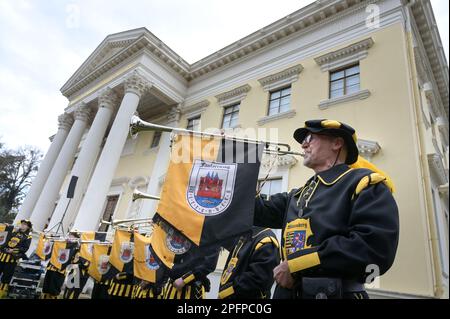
{"type": "Point", "coordinates": [319, 149]}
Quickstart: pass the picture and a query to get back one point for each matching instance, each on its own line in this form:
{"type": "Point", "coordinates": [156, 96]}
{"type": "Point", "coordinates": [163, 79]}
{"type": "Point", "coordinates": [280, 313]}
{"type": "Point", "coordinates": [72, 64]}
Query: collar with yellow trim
{"type": "Point", "coordinates": [333, 174]}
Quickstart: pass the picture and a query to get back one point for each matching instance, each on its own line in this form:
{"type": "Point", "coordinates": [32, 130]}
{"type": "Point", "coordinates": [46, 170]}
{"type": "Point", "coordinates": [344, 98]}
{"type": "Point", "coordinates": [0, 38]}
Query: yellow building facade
{"type": "Point", "coordinates": [376, 65]}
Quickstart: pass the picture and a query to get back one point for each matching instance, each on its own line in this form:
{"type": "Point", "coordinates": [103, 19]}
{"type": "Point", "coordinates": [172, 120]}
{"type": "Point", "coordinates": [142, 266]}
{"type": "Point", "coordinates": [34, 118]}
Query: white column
{"type": "Point", "coordinates": [45, 204]}
{"type": "Point", "coordinates": [84, 165]}
{"type": "Point", "coordinates": [160, 166]}
{"type": "Point", "coordinates": [91, 207]}
{"type": "Point", "coordinates": [65, 121]}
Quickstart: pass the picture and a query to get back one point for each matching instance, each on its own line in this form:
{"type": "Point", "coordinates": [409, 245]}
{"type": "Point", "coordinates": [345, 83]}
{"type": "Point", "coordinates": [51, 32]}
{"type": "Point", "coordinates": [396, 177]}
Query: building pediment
{"type": "Point", "coordinates": [116, 48]}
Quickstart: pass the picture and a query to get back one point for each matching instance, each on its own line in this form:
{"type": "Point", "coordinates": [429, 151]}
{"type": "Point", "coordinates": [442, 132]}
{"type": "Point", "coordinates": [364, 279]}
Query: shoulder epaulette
{"type": "Point", "coordinates": [367, 180]}
{"type": "Point", "coordinates": [266, 240]}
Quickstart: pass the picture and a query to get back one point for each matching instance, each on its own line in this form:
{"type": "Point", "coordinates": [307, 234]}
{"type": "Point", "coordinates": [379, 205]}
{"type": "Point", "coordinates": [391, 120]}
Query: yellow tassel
{"type": "Point", "coordinates": [363, 163]}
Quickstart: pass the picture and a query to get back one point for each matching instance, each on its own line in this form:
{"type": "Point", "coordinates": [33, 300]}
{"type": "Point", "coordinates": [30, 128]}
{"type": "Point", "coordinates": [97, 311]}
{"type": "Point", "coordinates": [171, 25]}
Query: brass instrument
{"type": "Point", "coordinates": [137, 125]}
{"type": "Point", "coordinates": [140, 195]}
{"type": "Point", "coordinates": [124, 221]}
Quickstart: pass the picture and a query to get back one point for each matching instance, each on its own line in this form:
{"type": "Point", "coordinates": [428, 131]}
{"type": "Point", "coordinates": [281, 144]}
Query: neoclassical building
{"type": "Point", "coordinates": [377, 65]}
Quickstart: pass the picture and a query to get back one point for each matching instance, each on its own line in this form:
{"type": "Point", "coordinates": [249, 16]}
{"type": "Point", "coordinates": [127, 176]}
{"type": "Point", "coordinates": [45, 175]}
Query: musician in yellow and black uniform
{"type": "Point", "coordinates": [188, 278]}
{"type": "Point", "coordinates": [146, 290]}
{"type": "Point", "coordinates": [54, 277]}
{"type": "Point", "coordinates": [121, 286]}
{"type": "Point", "coordinates": [248, 272]}
{"type": "Point", "coordinates": [79, 273]}
{"type": "Point", "coordinates": [341, 228]}
{"type": "Point", "coordinates": [15, 249]}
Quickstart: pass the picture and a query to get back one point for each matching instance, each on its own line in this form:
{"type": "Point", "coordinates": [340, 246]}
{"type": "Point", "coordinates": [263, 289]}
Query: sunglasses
{"type": "Point", "coordinates": [310, 137]}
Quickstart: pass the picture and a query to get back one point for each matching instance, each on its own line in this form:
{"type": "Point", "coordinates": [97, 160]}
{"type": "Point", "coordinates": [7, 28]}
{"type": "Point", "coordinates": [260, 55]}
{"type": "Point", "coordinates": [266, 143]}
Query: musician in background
{"type": "Point", "coordinates": [79, 273]}
{"type": "Point", "coordinates": [188, 278]}
{"type": "Point", "coordinates": [15, 249]}
{"type": "Point", "coordinates": [54, 277]}
{"type": "Point", "coordinates": [248, 272]}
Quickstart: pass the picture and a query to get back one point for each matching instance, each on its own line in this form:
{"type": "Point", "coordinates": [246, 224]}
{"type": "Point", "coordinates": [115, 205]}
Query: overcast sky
{"type": "Point", "coordinates": [43, 42]}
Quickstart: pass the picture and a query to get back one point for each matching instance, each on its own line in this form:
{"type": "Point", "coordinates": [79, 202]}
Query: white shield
{"type": "Point", "coordinates": [103, 264]}
{"type": "Point", "coordinates": [3, 236]}
{"type": "Point", "coordinates": [126, 252]}
{"type": "Point", "coordinates": [211, 187]}
{"type": "Point", "coordinates": [63, 255]}
{"type": "Point", "coordinates": [150, 260]}
{"type": "Point", "coordinates": [47, 249]}
{"type": "Point", "coordinates": [175, 242]}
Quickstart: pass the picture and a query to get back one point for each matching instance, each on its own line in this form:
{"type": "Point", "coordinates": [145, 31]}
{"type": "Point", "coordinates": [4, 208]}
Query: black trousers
{"type": "Point", "coordinates": [7, 271]}
{"type": "Point", "coordinates": [53, 282]}
{"type": "Point", "coordinates": [284, 293]}
{"type": "Point", "coordinates": [100, 290]}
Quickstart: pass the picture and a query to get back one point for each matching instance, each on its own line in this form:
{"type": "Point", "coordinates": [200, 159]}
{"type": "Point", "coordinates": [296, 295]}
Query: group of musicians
{"type": "Point", "coordinates": [248, 270]}
{"type": "Point", "coordinates": [341, 221]}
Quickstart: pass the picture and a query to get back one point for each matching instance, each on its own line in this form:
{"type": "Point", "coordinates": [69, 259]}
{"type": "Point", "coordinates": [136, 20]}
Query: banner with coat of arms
{"type": "Point", "coordinates": [86, 248]}
{"type": "Point", "coordinates": [5, 233]}
{"type": "Point", "coordinates": [62, 253]}
{"type": "Point", "coordinates": [146, 265]}
{"type": "Point", "coordinates": [44, 247]}
{"type": "Point", "coordinates": [122, 251]}
{"type": "Point", "coordinates": [99, 265]}
{"type": "Point", "coordinates": [209, 194]}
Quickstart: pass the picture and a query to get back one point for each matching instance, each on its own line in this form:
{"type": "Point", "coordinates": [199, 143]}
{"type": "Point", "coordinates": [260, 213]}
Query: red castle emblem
{"type": "Point", "coordinates": [210, 186]}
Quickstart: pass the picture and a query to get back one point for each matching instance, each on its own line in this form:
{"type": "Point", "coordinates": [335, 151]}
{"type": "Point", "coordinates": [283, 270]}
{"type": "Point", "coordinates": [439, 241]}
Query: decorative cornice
{"type": "Point", "coordinates": [437, 167]}
{"type": "Point", "coordinates": [120, 181]}
{"type": "Point", "coordinates": [138, 181]}
{"type": "Point", "coordinates": [347, 55]}
{"type": "Point", "coordinates": [108, 98]}
{"type": "Point", "coordinates": [442, 125]}
{"type": "Point", "coordinates": [299, 21]}
{"type": "Point", "coordinates": [281, 79]}
{"type": "Point", "coordinates": [173, 116]}
{"type": "Point", "coordinates": [139, 40]}
{"type": "Point", "coordinates": [281, 161]}
{"type": "Point", "coordinates": [197, 107]}
{"type": "Point", "coordinates": [65, 122]}
{"type": "Point", "coordinates": [443, 189]}
{"type": "Point", "coordinates": [367, 148]}
{"type": "Point", "coordinates": [274, 117]}
{"type": "Point", "coordinates": [428, 38]}
{"type": "Point", "coordinates": [136, 83]}
{"type": "Point", "coordinates": [233, 96]}
{"type": "Point", "coordinates": [360, 95]}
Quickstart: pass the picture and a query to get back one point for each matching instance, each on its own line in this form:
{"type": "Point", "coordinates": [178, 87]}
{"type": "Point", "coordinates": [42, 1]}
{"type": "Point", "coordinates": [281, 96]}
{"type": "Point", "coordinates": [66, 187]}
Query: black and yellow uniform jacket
{"type": "Point", "coordinates": [339, 223]}
{"type": "Point", "coordinates": [248, 272]}
{"type": "Point", "coordinates": [196, 265]}
{"type": "Point", "coordinates": [82, 263]}
{"type": "Point", "coordinates": [193, 267]}
{"type": "Point", "coordinates": [19, 242]}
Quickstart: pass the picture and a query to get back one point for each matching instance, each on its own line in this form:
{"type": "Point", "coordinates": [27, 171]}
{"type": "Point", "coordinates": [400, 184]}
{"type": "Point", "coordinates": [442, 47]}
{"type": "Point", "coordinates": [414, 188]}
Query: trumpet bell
{"type": "Point", "coordinates": [140, 195]}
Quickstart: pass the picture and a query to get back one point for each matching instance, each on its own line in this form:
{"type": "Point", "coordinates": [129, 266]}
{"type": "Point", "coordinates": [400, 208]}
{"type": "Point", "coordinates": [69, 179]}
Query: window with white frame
{"type": "Point", "coordinates": [194, 124]}
{"type": "Point", "coordinates": [344, 81]}
{"type": "Point", "coordinates": [270, 186]}
{"type": "Point", "coordinates": [279, 101]}
{"type": "Point", "coordinates": [230, 116]}
{"type": "Point", "coordinates": [111, 203]}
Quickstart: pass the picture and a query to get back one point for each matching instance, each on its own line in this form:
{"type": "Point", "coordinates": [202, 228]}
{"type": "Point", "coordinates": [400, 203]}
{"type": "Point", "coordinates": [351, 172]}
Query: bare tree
{"type": "Point", "coordinates": [17, 170]}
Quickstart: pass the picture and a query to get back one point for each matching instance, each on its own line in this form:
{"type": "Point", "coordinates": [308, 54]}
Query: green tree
{"type": "Point", "coordinates": [17, 170]}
